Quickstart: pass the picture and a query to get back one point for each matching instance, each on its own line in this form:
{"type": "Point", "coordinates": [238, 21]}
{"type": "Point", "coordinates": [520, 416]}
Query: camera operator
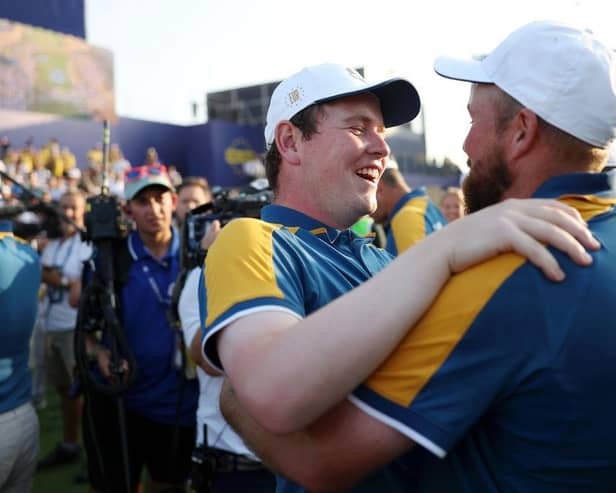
{"type": "Point", "coordinates": [62, 261]}
{"type": "Point", "coordinates": [221, 461]}
{"type": "Point", "coordinates": [159, 406]}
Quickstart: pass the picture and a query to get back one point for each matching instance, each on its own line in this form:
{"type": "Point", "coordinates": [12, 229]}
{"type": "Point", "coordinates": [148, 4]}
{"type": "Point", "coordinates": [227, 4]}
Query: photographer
{"type": "Point", "coordinates": [62, 261]}
{"type": "Point", "coordinates": [158, 408]}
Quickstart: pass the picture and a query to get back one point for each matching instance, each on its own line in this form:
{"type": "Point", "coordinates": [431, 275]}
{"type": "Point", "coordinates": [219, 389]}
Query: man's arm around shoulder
{"type": "Point", "coordinates": [333, 454]}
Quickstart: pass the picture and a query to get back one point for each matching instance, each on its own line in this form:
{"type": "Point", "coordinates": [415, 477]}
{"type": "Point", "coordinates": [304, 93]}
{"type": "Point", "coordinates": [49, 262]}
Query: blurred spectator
{"type": "Point", "coordinates": [118, 163]}
{"type": "Point", "coordinates": [175, 176]}
{"type": "Point", "coordinates": [95, 157]}
{"type": "Point", "coordinates": [151, 156]}
{"type": "Point", "coordinates": [407, 214]}
{"type": "Point", "coordinates": [452, 204]}
{"type": "Point", "coordinates": [62, 261]}
{"type": "Point", "coordinates": [20, 276]}
{"type": "Point", "coordinates": [193, 191]}
{"type": "Point", "coordinates": [5, 145]}
{"type": "Point", "coordinates": [27, 158]}
{"type": "Point", "coordinates": [69, 160]}
{"type": "Point", "coordinates": [73, 179]}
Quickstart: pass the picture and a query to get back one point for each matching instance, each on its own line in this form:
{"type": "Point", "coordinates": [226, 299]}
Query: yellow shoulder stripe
{"type": "Point", "coordinates": [427, 346]}
{"type": "Point", "coordinates": [588, 205]}
{"type": "Point", "coordinates": [240, 266]}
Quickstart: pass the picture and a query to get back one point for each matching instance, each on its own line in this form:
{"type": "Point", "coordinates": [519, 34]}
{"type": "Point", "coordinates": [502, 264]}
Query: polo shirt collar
{"type": "Point", "coordinates": [601, 185]}
{"type": "Point", "coordinates": [290, 218]}
{"type": "Point", "coordinates": [139, 251]}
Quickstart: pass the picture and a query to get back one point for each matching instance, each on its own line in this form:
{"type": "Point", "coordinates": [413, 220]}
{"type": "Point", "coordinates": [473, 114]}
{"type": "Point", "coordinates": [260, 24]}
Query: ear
{"type": "Point", "coordinates": [126, 209]}
{"type": "Point", "coordinates": [287, 137]}
{"type": "Point", "coordinates": [524, 131]}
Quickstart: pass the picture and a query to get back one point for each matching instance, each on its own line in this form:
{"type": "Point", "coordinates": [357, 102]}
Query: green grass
{"type": "Point", "coordinates": [59, 479]}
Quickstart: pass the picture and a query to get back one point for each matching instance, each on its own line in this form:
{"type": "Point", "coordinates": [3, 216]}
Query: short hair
{"type": "Point", "coordinates": [392, 177]}
{"type": "Point", "coordinates": [454, 192]}
{"type": "Point", "coordinates": [566, 147]}
{"type": "Point", "coordinates": [74, 192]}
{"type": "Point", "coordinates": [194, 181]}
{"type": "Point", "coordinates": [307, 122]}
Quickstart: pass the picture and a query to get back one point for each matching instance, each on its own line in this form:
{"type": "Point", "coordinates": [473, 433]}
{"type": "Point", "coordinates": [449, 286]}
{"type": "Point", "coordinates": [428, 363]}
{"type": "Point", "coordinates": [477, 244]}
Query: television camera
{"type": "Point", "coordinates": [228, 204]}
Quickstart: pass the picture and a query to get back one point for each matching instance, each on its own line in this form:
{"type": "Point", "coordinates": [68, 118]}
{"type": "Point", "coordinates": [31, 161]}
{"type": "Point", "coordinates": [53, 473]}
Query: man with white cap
{"type": "Point", "coordinates": [285, 307]}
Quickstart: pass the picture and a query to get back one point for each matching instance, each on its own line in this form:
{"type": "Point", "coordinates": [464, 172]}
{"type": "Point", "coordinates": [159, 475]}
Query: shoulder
{"type": "Point", "coordinates": [248, 226]}
{"type": "Point", "coordinates": [241, 236]}
{"type": "Point", "coordinates": [51, 245]}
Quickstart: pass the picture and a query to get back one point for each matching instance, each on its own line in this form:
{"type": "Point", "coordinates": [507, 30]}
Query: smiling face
{"type": "Point", "coordinates": [340, 165]}
{"type": "Point", "coordinates": [452, 206]}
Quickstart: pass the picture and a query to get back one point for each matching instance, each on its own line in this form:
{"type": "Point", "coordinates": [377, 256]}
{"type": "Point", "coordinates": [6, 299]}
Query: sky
{"type": "Point", "coordinates": [170, 53]}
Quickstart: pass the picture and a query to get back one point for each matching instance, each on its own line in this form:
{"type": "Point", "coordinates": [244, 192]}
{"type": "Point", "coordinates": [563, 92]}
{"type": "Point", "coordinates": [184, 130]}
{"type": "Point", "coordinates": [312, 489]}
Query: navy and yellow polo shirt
{"type": "Point", "coordinates": [287, 261]}
{"type": "Point", "coordinates": [414, 217]}
{"type": "Point", "coordinates": [507, 381]}
{"type": "Point", "coordinates": [20, 278]}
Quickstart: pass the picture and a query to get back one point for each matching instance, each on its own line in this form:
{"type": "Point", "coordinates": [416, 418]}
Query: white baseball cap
{"type": "Point", "coordinates": [321, 83]}
{"type": "Point", "coordinates": [561, 73]}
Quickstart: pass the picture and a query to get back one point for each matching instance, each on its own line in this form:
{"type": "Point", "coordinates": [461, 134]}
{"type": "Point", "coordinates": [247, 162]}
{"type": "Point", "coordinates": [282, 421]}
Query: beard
{"type": "Point", "coordinates": [487, 188]}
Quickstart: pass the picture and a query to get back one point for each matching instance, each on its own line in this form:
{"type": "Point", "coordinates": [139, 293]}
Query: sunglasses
{"type": "Point", "coordinates": [139, 172]}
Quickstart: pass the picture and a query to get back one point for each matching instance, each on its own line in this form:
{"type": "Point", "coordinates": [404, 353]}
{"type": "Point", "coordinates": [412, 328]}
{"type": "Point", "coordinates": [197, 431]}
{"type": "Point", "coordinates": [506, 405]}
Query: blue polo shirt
{"type": "Point", "coordinates": [20, 277]}
{"type": "Point", "coordinates": [414, 217]}
{"type": "Point", "coordinates": [145, 299]}
{"type": "Point", "coordinates": [506, 383]}
{"type": "Point", "coordinates": [288, 262]}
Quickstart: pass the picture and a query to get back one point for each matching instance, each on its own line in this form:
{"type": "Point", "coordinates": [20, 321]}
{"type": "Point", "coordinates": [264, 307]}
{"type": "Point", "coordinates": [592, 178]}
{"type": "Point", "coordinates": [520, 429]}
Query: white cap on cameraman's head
{"type": "Point", "coordinates": [561, 73]}
{"type": "Point", "coordinates": [326, 82]}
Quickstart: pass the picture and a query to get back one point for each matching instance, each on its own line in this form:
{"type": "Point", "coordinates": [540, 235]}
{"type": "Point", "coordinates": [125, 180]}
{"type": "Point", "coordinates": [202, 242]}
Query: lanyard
{"type": "Point", "coordinates": [146, 272]}
{"type": "Point", "coordinates": [68, 253]}
{"type": "Point", "coordinates": [154, 285]}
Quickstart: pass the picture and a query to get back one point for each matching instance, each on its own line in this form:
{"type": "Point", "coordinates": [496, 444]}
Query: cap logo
{"type": "Point", "coordinates": [355, 74]}
{"type": "Point", "coordinates": [294, 96]}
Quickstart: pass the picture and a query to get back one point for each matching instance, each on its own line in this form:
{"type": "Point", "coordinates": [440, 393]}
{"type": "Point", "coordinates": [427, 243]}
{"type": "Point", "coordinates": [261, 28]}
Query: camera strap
{"type": "Point", "coordinates": [69, 251]}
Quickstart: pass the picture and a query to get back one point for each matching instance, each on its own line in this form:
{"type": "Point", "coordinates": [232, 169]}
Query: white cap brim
{"type": "Point", "coordinates": [465, 70]}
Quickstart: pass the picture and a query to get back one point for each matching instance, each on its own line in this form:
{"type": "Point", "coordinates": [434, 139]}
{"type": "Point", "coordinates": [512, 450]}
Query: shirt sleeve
{"type": "Point", "coordinates": [48, 252]}
{"type": "Point", "coordinates": [455, 362]}
{"type": "Point", "coordinates": [248, 270]}
{"type": "Point", "coordinates": [75, 262]}
{"type": "Point", "coordinates": [188, 306]}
